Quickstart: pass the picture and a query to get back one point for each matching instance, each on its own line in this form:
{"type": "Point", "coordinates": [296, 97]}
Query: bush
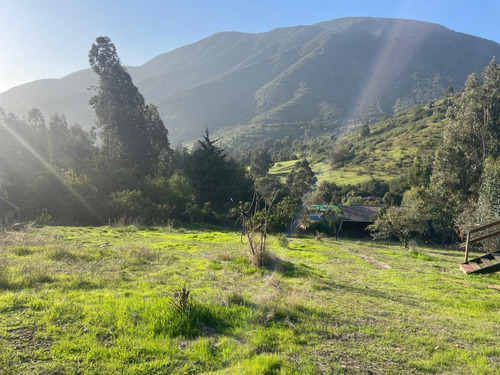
{"type": "Point", "coordinates": [283, 240]}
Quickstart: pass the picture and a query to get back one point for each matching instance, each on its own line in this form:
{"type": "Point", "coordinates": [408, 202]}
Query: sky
{"type": "Point", "coordinates": [51, 38]}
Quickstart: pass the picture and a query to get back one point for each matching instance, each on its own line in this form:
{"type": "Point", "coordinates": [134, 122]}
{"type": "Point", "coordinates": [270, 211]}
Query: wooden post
{"type": "Point", "coordinates": [467, 247]}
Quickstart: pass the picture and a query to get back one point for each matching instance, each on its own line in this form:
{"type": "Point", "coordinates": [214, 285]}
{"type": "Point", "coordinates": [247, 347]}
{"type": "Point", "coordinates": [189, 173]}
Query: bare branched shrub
{"type": "Point", "coordinates": [169, 224]}
{"type": "Point", "coordinates": [254, 218]}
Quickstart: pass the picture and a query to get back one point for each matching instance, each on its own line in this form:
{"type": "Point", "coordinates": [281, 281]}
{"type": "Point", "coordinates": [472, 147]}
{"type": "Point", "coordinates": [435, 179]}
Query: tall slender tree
{"type": "Point", "coordinates": [133, 134]}
{"type": "Point", "coordinates": [471, 136]}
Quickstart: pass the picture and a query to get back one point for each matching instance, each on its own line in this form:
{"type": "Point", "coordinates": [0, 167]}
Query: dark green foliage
{"type": "Point", "coordinates": [300, 179]}
{"type": "Point", "coordinates": [283, 213]}
{"type": "Point", "coordinates": [133, 134]}
{"type": "Point", "coordinates": [471, 136]}
{"type": "Point", "coordinates": [374, 188]}
{"type": "Point", "coordinates": [215, 178]}
{"type": "Point", "coordinates": [327, 192]}
{"type": "Point", "coordinates": [364, 131]}
{"type": "Point", "coordinates": [261, 162]}
{"type": "Point", "coordinates": [400, 222]}
{"type": "Point", "coordinates": [420, 172]}
{"type": "Point", "coordinates": [490, 184]}
{"type": "Point", "coordinates": [127, 204]}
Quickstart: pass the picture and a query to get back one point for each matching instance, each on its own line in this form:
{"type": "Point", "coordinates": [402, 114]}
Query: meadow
{"type": "Point", "coordinates": [107, 300]}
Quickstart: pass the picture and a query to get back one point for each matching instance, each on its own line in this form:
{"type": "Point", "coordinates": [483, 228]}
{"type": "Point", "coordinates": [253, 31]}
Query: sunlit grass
{"type": "Point", "coordinates": [101, 300]}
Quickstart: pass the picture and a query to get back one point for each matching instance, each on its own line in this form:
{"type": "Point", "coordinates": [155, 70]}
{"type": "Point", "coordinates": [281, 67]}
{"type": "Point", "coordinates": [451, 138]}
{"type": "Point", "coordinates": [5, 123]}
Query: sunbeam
{"type": "Point", "coordinates": [386, 67]}
{"type": "Point", "coordinates": [51, 169]}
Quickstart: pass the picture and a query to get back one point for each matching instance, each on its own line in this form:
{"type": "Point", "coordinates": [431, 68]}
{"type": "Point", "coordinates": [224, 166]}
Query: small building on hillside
{"type": "Point", "coordinates": [355, 219]}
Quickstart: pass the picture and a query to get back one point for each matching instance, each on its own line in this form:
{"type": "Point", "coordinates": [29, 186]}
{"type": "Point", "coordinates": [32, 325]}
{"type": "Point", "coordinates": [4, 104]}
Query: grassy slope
{"type": "Point", "coordinates": [386, 153]}
{"type": "Point", "coordinates": [98, 300]}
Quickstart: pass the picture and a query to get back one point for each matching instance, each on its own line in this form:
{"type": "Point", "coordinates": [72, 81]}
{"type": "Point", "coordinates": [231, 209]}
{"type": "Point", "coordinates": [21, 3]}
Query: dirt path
{"type": "Point", "coordinates": [372, 260]}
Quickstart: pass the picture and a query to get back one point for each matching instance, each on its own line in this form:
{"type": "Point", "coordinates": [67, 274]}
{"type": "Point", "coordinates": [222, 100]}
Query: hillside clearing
{"type": "Point", "coordinates": [100, 300]}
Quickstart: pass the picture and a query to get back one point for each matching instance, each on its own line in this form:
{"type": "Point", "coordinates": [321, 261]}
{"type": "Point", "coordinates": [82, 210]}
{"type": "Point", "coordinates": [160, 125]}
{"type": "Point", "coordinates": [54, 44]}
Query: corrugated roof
{"type": "Point", "coordinates": [359, 214]}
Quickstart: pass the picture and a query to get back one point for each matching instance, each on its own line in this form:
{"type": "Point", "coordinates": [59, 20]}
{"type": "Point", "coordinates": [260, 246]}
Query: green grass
{"type": "Point", "coordinates": [101, 301]}
{"type": "Point", "coordinates": [387, 152]}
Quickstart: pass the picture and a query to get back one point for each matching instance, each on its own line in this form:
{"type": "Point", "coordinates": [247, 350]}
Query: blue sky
{"type": "Point", "coordinates": [51, 38]}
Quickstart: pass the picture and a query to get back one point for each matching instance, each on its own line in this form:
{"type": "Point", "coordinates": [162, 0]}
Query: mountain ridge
{"type": "Point", "coordinates": [322, 75]}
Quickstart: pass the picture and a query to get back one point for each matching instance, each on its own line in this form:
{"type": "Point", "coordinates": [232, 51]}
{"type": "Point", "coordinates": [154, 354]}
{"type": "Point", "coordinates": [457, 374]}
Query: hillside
{"type": "Point", "coordinates": [103, 300]}
{"type": "Point", "coordinates": [286, 80]}
{"type": "Point", "coordinates": [386, 152]}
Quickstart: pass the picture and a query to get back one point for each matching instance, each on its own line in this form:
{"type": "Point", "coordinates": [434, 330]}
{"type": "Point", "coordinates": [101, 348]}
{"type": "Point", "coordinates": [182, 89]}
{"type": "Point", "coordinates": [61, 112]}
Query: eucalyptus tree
{"type": "Point", "coordinates": [132, 132]}
{"type": "Point", "coordinates": [470, 137]}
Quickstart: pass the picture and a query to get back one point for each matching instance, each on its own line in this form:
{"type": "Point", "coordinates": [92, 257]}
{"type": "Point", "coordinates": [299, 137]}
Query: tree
{"type": "Point", "coordinates": [487, 207]}
{"type": "Point", "coordinates": [364, 131]}
{"type": "Point", "coordinates": [327, 192]}
{"type": "Point", "coordinates": [401, 222]}
{"type": "Point", "coordinates": [470, 137]}
{"type": "Point", "coordinates": [261, 162]}
{"type": "Point", "coordinates": [215, 178]}
{"type": "Point", "coordinates": [300, 179]}
{"type": "Point", "coordinates": [255, 220]}
{"type": "Point", "coordinates": [490, 186]}
{"type": "Point", "coordinates": [420, 172]}
{"type": "Point", "coordinates": [133, 133]}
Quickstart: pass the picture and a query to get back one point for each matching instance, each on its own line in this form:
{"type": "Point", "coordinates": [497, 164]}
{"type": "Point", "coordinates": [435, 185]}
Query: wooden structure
{"type": "Point", "coordinates": [357, 217]}
{"type": "Point", "coordinates": [486, 263]}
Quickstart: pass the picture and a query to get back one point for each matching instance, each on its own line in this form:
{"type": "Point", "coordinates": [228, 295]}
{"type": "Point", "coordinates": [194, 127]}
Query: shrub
{"type": "Point", "coordinates": [283, 240]}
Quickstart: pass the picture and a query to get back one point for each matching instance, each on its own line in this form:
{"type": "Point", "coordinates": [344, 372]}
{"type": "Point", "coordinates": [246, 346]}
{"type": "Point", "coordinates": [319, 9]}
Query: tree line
{"type": "Point", "coordinates": [459, 188]}
{"type": "Point", "coordinates": [124, 167]}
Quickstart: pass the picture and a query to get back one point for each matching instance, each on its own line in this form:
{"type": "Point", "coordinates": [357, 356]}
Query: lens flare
{"type": "Point", "coordinates": [51, 169]}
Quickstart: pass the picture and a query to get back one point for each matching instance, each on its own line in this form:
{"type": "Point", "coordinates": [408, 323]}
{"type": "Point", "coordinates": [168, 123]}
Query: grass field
{"type": "Point", "coordinates": [103, 300]}
{"type": "Point", "coordinates": [323, 172]}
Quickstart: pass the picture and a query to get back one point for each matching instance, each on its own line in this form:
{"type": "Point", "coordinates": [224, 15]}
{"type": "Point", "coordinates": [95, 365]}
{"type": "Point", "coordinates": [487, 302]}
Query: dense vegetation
{"type": "Point", "coordinates": [437, 160]}
{"type": "Point", "coordinates": [123, 170]}
{"type": "Point", "coordinates": [153, 299]}
{"type": "Point", "coordinates": [110, 300]}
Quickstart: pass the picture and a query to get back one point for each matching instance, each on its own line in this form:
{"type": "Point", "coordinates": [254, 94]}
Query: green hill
{"type": "Point", "coordinates": [386, 152]}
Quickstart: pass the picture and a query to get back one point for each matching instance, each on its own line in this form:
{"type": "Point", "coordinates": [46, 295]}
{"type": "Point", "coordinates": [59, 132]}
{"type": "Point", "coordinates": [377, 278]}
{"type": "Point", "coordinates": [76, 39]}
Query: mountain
{"type": "Point", "coordinates": [283, 81]}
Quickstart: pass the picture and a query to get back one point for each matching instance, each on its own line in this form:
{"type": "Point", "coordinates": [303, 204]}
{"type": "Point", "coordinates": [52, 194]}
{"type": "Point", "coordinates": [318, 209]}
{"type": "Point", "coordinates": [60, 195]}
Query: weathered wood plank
{"type": "Point", "coordinates": [494, 234]}
{"type": "Point", "coordinates": [466, 268]}
{"type": "Point", "coordinates": [486, 261]}
{"type": "Point", "coordinates": [475, 266]}
{"type": "Point", "coordinates": [478, 229]}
